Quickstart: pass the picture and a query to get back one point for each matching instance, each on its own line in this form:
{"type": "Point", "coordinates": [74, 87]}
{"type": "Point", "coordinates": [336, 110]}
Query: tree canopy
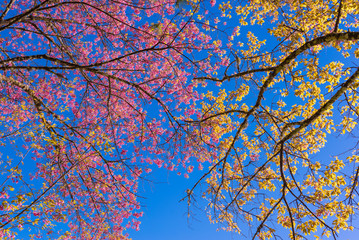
{"type": "Point", "coordinates": [94, 94]}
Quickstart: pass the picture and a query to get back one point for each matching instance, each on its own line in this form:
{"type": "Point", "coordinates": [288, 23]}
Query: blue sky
{"type": "Point", "coordinates": [165, 218]}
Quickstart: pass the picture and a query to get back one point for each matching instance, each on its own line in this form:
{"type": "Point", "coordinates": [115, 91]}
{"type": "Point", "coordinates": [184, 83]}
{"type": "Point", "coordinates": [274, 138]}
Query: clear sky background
{"type": "Point", "coordinates": [165, 218]}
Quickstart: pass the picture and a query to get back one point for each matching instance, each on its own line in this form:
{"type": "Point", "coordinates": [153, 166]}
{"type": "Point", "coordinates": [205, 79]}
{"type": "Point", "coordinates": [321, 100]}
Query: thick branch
{"type": "Point", "coordinates": [338, 16]}
{"type": "Point", "coordinates": [323, 108]}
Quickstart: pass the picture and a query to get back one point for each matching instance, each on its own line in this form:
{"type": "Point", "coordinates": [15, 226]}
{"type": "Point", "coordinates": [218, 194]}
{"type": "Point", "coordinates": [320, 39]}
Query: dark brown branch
{"type": "Point", "coordinates": [354, 185]}
{"type": "Point", "coordinates": [325, 107]}
{"type": "Point", "coordinates": [7, 9]}
{"type": "Point", "coordinates": [216, 115]}
{"type": "Point", "coordinates": [15, 19]}
{"type": "Point", "coordinates": [241, 74]}
{"type": "Point", "coordinates": [338, 16]}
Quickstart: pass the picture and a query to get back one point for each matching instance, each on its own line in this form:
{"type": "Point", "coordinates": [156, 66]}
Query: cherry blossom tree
{"type": "Point", "coordinates": [92, 94]}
